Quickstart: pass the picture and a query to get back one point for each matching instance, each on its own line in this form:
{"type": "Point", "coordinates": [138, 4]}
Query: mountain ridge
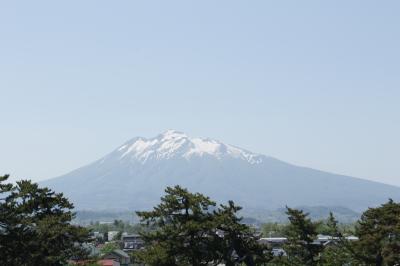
{"type": "Point", "coordinates": [134, 175]}
{"type": "Point", "coordinates": [175, 143]}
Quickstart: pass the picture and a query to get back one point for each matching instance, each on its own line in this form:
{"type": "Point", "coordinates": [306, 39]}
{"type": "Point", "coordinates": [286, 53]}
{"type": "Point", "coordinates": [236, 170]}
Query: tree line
{"type": "Point", "coordinates": [190, 229]}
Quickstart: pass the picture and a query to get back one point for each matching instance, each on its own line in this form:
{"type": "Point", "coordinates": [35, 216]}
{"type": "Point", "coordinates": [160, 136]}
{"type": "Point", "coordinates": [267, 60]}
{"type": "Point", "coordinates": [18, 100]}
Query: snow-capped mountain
{"type": "Point", "coordinates": [134, 175]}
{"type": "Point", "coordinates": [174, 144]}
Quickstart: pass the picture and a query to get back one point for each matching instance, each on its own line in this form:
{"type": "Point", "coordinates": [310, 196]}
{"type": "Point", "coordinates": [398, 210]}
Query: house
{"type": "Point", "coordinates": [278, 252]}
{"type": "Point", "coordinates": [119, 256]}
{"type": "Point", "coordinates": [108, 263]}
{"type": "Point", "coordinates": [132, 242]}
{"type": "Point", "coordinates": [104, 262]}
{"type": "Point", "coordinates": [111, 235]}
{"type": "Point", "coordinates": [277, 243]}
{"type": "Point", "coordinates": [273, 242]}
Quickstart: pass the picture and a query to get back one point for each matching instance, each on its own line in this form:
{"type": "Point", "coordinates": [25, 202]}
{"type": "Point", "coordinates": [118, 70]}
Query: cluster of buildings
{"type": "Point", "coordinates": [127, 243]}
{"type": "Point", "coordinates": [276, 243]}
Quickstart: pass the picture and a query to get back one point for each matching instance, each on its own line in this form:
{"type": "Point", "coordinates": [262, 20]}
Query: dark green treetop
{"type": "Point", "coordinates": [35, 226]}
{"type": "Point", "coordinates": [239, 243]}
{"type": "Point", "coordinates": [379, 235]}
{"type": "Point", "coordinates": [301, 233]}
{"type": "Point", "coordinates": [183, 232]}
{"type": "Point", "coordinates": [188, 229]}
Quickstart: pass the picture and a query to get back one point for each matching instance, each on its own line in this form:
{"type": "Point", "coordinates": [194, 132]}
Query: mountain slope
{"type": "Point", "coordinates": [134, 176]}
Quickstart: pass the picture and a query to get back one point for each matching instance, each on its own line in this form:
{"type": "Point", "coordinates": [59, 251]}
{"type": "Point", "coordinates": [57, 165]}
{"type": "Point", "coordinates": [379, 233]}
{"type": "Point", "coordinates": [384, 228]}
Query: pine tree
{"type": "Point", "coordinates": [332, 225]}
{"type": "Point", "coordinates": [35, 226]}
{"type": "Point", "coordinates": [336, 252]}
{"type": "Point", "coordinates": [301, 233]}
{"type": "Point", "coordinates": [188, 229]}
{"type": "Point", "coordinates": [239, 243]}
{"type": "Point", "coordinates": [184, 230]}
{"type": "Point", "coordinates": [379, 236]}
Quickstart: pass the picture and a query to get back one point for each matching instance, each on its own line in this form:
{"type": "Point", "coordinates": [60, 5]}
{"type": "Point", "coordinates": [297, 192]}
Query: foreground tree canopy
{"type": "Point", "coordinates": [301, 234]}
{"type": "Point", "coordinates": [379, 235]}
{"type": "Point", "coordinates": [378, 244]}
{"type": "Point", "coordinates": [35, 226]}
{"type": "Point", "coordinates": [188, 229]}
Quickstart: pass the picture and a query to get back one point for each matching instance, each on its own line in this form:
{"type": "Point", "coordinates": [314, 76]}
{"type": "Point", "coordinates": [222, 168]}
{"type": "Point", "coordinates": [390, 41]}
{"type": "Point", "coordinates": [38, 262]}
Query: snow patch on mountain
{"type": "Point", "coordinates": [173, 144]}
{"type": "Point", "coordinates": [134, 176]}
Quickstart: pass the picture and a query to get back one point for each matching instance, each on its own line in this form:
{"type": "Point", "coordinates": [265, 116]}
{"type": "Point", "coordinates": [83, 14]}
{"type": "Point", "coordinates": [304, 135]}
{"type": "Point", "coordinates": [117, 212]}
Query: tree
{"type": "Point", "coordinates": [109, 247]}
{"type": "Point", "coordinates": [183, 232]}
{"type": "Point", "coordinates": [301, 233]}
{"type": "Point", "coordinates": [329, 227]}
{"type": "Point", "coordinates": [188, 229]}
{"type": "Point", "coordinates": [273, 229]}
{"type": "Point", "coordinates": [35, 226]}
{"type": "Point", "coordinates": [332, 224]}
{"type": "Point", "coordinates": [336, 252]}
{"type": "Point", "coordinates": [239, 243]}
{"type": "Point", "coordinates": [379, 236]}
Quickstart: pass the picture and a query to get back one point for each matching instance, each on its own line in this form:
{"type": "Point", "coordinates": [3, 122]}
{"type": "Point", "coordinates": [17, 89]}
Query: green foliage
{"type": "Point", "coordinates": [301, 233]}
{"type": "Point", "coordinates": [35, 226]}
{"type": "Point", "coordinates": [379, 235]}
{"type": "Point", "coordinates": [329, 227]}
{"type": "Point", "coordinates": [187, 232]}
{"type": "Point", "coordinates": [89, 217]}
{"type": "Point", "coordinates": [336, 254]}
{"type": "Point", "coordinates": [378, 231]}
{"type": "Point", "coordinates": [109, 247]}
{"type": "Point", "coordinates": [117, 225]}
{"type": "Point", "coordinates": [87, 263]}
{"type": "Point", "coordinates": [238, 239]}
{"type": "Point", "coordinates": [274, 229]}
{"type": "Point", "coordinates": [189, 229]}
{"type": "Point", "coordinates": [118, 236]}
{"type": "Point", "coordinates": [184, 229]}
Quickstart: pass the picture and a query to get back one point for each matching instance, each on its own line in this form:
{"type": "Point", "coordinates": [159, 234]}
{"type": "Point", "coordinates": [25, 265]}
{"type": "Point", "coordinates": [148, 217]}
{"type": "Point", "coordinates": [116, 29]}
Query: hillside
{"type": "Point", "coordinates": [133, 177]}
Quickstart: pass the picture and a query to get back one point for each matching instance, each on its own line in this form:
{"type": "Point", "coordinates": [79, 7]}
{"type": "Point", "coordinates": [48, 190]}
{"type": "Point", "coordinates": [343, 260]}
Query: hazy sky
{"type": "Point", "coordinates": [314, 83]}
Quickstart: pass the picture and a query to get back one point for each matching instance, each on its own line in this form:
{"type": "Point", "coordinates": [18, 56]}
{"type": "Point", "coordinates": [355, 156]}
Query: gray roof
{"type": "Point", "coordinates": [120, 252]}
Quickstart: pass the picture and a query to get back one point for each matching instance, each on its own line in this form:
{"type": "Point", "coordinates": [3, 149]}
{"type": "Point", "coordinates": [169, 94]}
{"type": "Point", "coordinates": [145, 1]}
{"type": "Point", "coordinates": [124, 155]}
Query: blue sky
{"type": "Point", "coordinates": [314, 83]}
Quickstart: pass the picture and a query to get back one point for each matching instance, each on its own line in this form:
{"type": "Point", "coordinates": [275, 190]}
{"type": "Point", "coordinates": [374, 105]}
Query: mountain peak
{"type": "Point", "coordinates": [171, 133]}
{"type": "Point", "coordinates": [174, 144]}
{"type": "Point", "coordinates": [134, 176]}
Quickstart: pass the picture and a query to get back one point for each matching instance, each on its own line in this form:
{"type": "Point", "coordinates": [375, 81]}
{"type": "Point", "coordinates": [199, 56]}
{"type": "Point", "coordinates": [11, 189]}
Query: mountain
{"type": "Point", "coordinates": [133, 177]}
